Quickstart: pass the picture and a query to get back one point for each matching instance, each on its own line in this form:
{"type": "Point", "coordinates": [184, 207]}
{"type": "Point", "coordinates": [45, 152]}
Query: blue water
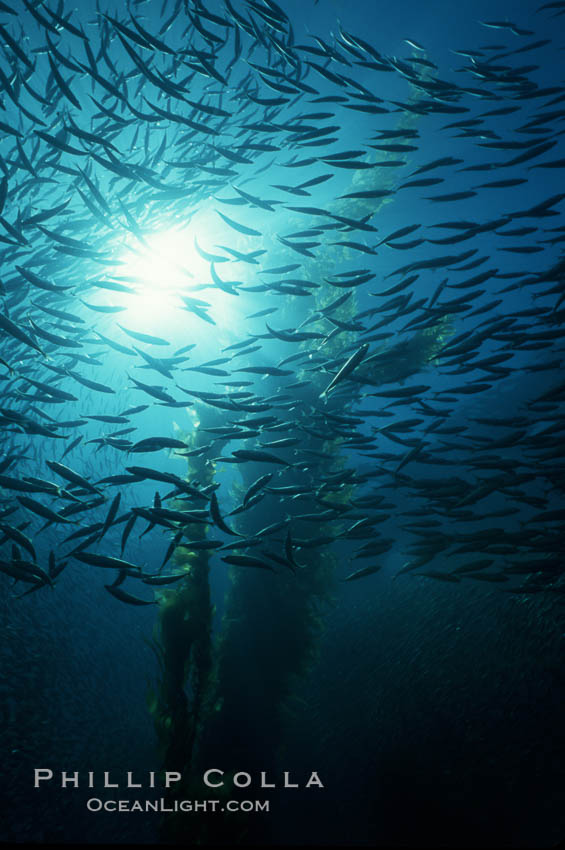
{"type": "Point", "coordinates": [433, 712]}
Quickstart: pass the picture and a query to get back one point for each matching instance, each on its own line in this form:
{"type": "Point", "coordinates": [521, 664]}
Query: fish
{"type": "Point", "coordinates": [19, 537]}
{"type": "Point", "coordinates": [241, 228]}
{"type": "Point", "coordinates": [71, 476]}
{"type": "Point", "coordinates": [350, 364]}
{"type": "Point", "coordinates": [41, 510]}
{"type": "Point", "coordinates": [152, 444]}
{"type": "Point", "coordinates": [137, 166]}
{"type": "Point", "coordinates": [104, 561]}
{"type": "Point", "coordinates": [217, 517]}
{"type": "Point", "coordinates": [366, 571]}
{"type": "Point", "coordinates": [141, 337]}
{"type": "Point", "coordinates": [126, 597]}
{"type": "Point", "coordinates": [11, 328]}
{"type": "Point", "coordinates": [259, 456]}
{"type": "Point", "coordinates": [247, 561]}
{"type": "Point", "coordinates": [111, 515]}
{"type": "Point", "coordinates": [257, 485]}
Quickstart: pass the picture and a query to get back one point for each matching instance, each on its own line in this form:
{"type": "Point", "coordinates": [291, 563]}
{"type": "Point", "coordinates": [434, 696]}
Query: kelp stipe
{"type": "Point", "coordinates": [243, 684]}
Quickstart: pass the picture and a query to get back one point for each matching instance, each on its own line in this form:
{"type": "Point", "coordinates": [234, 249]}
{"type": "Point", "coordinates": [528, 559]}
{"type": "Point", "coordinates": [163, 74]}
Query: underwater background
{"type": "Point", "coordinates": [210, 212]}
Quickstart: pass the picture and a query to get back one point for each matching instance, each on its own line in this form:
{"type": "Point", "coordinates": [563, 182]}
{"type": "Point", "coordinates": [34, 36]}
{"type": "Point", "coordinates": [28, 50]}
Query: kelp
{"type": "Point", "coordinates": [228, 702]}
{"type": "Point", "coordinates": [182, 638]}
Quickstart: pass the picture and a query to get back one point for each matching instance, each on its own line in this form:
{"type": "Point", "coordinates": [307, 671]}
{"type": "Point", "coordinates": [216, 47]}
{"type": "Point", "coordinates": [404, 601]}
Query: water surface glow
{"type": "Point", "coordinates": [169, 274]}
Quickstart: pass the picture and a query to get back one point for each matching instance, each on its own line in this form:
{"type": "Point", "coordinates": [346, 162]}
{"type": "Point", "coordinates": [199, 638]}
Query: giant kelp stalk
{"type": "Point", "coordinates": [234, 718]}
{"type": "Point", "coordinates": [272, 623]}
{"type": "Point", "coordinates": [183, 632]}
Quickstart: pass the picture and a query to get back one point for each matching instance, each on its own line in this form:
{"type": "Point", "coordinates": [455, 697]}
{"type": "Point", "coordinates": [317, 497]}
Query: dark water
{"type": "Point", "coordinates": [432, 713]}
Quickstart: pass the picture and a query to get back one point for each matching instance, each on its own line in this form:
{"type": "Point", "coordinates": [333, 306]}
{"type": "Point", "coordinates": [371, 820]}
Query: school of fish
{"type": "Point", "coordinates": [120, 122]}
